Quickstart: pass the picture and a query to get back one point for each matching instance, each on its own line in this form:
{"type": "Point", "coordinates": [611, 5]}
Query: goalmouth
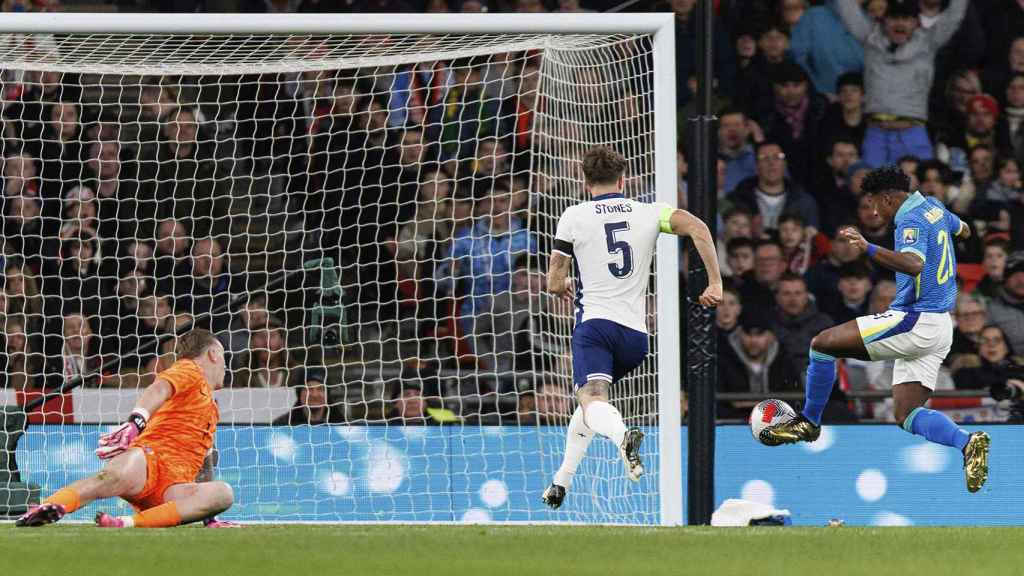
{"type": "Point", "coordinates": [595, 79]}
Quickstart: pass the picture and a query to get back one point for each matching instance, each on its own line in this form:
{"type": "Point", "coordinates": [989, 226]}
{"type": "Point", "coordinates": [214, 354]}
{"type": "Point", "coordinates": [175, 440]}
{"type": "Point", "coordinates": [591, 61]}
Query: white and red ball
{"type": "Point", "coordinates": [769, 413]}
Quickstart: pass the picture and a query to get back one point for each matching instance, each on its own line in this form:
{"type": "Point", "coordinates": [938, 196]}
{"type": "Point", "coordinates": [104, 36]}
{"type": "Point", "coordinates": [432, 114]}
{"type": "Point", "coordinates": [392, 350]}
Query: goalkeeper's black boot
{"type": "Point", "coordinates": [553, 496]}
{"type": "Point", "coordinates": [798, 429]}
{"type": "Point", "coordinates": [976, 461]}
{"type": "Point", "coordinates": [630, 452]}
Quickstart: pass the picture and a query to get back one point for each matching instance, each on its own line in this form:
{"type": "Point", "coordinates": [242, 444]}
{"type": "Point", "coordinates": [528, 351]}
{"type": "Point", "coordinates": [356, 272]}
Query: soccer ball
{"type": "Point", "coordinates": [769, 413]}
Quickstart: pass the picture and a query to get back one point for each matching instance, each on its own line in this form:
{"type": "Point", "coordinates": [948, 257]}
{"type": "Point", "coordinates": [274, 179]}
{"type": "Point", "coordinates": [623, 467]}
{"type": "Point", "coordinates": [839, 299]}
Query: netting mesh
{"type": "Point", "coordinates": [364, 221]}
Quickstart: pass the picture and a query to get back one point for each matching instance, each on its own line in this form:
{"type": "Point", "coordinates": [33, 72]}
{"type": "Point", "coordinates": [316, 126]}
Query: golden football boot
{"type": "Point", "coordinates": [798, 429]}
{"type": "Point", "coordinates": [976, 461]}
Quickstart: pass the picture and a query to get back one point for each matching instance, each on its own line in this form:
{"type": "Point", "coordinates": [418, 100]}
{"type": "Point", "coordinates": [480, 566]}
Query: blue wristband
{"type": "Point", "coordinates": [871, 249]}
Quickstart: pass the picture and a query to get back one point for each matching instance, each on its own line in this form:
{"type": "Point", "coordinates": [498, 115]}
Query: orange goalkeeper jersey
{"type": "Point", "coordinates": [181, 431]}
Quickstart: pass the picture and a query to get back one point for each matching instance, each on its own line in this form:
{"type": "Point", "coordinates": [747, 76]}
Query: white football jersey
{"type": "Point", "coordinates": [613, 241]}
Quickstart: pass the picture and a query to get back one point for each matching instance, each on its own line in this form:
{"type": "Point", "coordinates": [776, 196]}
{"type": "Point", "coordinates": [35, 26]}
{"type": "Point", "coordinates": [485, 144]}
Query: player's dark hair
{"type": "Point", "coordinates": [193, 343]}
{"type": "Point", "coordinates": [603, 166]}
{"type": "Point", "coordinates": [885, 179]}
{"type": "Point", "coordinates": [737, 243]}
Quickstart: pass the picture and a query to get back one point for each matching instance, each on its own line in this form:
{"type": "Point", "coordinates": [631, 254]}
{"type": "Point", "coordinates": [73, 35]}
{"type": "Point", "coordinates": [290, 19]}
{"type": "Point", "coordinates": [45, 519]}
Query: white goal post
{"type": "Point", "coordinates": [604, 79]}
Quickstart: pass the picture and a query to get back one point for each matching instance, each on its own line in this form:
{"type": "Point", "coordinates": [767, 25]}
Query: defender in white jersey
{"type": "Point", "coordinates": [610, 241]}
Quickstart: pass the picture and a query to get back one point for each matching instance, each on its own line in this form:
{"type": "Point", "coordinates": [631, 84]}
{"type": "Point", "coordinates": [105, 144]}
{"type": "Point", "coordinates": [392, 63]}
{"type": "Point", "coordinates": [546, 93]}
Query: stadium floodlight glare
{"type": "Point", "coordinates": [375, 142]}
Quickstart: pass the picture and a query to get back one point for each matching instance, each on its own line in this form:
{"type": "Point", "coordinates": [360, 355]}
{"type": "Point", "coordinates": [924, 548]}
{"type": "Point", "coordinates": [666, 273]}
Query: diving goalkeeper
{"type": "Point", "coordinates": [152, 459]}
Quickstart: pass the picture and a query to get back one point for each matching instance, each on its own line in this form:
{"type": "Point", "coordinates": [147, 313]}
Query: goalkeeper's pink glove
{"type": "Point", "coordinates": [116, 442]}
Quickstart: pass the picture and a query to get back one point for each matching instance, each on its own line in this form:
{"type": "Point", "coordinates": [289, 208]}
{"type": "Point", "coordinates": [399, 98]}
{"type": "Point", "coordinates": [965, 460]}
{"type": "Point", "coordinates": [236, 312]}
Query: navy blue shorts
{"type": "Point", "coordinates": [605, 350]}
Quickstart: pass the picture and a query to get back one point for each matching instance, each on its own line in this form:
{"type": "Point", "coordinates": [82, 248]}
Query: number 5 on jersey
{"type": "Point", "coordinates": [619, 246]}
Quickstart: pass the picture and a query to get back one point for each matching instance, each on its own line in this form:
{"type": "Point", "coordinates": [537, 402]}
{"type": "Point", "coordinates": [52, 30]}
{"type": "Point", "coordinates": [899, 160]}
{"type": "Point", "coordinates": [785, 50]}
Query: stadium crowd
{"type": "Point", "coordinates": [121, 221]}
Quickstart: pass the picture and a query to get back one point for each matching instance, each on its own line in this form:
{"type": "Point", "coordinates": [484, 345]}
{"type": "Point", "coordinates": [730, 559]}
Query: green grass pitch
{"type": "Point", "coordinates": [294, 550]}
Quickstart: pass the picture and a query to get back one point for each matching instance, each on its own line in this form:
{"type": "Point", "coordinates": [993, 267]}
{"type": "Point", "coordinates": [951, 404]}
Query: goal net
{"type": "Point", "coordinates": [364, 220]}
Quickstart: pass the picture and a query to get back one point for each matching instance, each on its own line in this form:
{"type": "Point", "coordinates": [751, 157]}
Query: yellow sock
{"type": "Point", "coordinates": [66, 497]}
{"type": "Point", "coordinates": [162, 516]}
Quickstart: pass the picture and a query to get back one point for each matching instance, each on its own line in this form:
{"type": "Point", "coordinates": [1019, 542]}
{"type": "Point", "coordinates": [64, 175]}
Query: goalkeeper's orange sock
{"type": "Point", "coordinates": [162, 516]}
{"type": "Point", "coordinates": [66, 497]}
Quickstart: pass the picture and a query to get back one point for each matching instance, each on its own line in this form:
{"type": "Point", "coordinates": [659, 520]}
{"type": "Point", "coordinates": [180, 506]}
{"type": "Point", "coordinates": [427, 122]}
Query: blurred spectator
{"type": "Point", "coordinates": [740, 256]}
{"type": "Point", "coordinates": [823, 277]}
{"type": "Point", "coordinates": [61, 150]}
{"type": "Point", "coordinates": [966, 49]}
{"type": "Point", "coordinates": [935, 179]}
{"type": "Point", "coordinates": [1003, 66]}
{"type": "Point", "coordinates": [116, 187]}
{"type": "Point", "coordinates": [185, 172]}
{"type": "Point", "coordinates": [687, 45]}
{"type": "Point", "coordinates": [211, 286]}
{"type": "Point", "coordinates": [825, 48]}
{"type": "Point", "coordinates": [1012, 120]}
{"type": "Point", "coordinates": [795, 120]}
{"type": "Point", "coordinates": [908, 165]}
{"type": "Point", "coordinates": [21, 289]}
{"type": "Point", "coordinates": [845, 119]}
{"type": "Point", "coordinates": [29, 233]}
{"type": "Point", "coordinates": [1007, 309]}
{"type": "Point", "coordinates": [948, 115]}
{"type": "Point", "coordinates": [267, 363]}
{"type": "Point", "coordinates": [797, 319]}
{"type": "Point", "coordinates": [311, 405]}
{"type": "Point", "coordinates": [796, 243]}
{"type": "Point", "coordinates": [882, 296]}
{"type": "Point", "coordinates": [737, 223]}
{"type": "Point", "coordinates": [727, 314]}
{"type": "Point", "coordinates": [735, 131]}
{"type": "Point", "coordinates": [899, 64]}
{"type": "Point", "coordinates": [20, 360]}
{"type": "Point", "coordinates": [250, 317]}
{"type": "Point", "coordinates": [526, 409]}
{"type": "Point", "coordinates": [21, 175]}
{"type": "Point", "coordinates": [757, 291]}
{"type": "Point", "coordinates": [172, 263]}
{"type": "Point", "coordinates": [754, 82]}
{"type": "Point", "coordinates": [483, 259]}
{"type": "Point", "coordinates": [791, 12]}
{"type": "Point", "coordinates": [138, 255]}
{"type": "Point", "coordinates": [553, 403]}
{"type": "Point", "coordinates": [770, 194]}
{"type": "Point", "coordinates": [410, 408]}
{"type": "Point", "coordinates": [80, 350]}
{"type": "Point", "coordinates": [994, 263]}
{"type": "Point", "coordinates": [162, 360]}
{"type": "Point", "coordinates": [81, 211]}
{"type": "Point", "coordinates": [504, 334]}
{"type": "Point", "coordinates": [833, 188]}
{"type": "Point", "coordinates": [981, 163]}
{"type": "Point", "coordinates": [755, 362]}
{"type": "Point", "coordinates": [997, 369]}
{"type": "Point", "coordinates": [122, 316]}
{"type": "Point", "coordinates": [81, 284]}
{"type": "Point", "coordinates": [969, 315]}
{"type": "Point", "coordinates": [854, 289]}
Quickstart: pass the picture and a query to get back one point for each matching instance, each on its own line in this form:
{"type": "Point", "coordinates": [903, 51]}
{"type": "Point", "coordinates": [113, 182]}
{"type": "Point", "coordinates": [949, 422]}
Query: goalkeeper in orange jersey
{"type": "Point", "coordinates": [152, 459]}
